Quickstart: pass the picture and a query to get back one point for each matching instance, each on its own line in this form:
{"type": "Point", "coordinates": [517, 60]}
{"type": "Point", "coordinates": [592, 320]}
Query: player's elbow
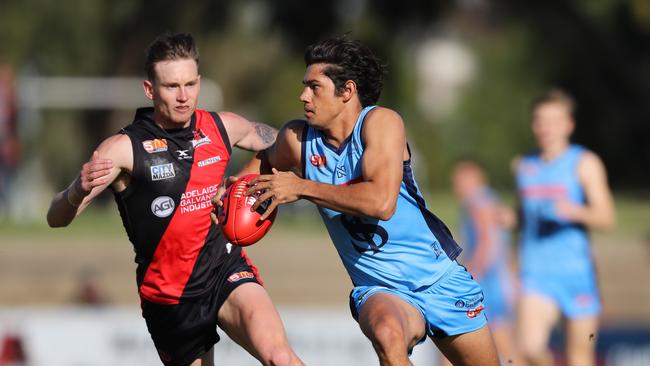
{"type": "Point", "coordinates": [604, 219]}
{"type": "Point", "coordinates": [386, 210]}
{"type": "Point", "coordinates": [608, 224]}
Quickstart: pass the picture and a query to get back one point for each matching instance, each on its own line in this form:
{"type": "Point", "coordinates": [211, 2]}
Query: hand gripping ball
{"type": "Point", "coordinates": [239, 224]}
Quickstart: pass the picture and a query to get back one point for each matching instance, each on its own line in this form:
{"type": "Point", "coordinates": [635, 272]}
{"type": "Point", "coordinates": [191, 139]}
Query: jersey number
{"type": "Point", "coordinates": [364, 233]}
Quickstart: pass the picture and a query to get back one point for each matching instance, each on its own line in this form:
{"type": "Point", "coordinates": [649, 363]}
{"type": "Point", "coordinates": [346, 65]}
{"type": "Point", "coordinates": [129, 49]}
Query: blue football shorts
{"type": "Point", "coordinates": [576, 294]}
{"type": "Point", "coordinates": [451, 306]}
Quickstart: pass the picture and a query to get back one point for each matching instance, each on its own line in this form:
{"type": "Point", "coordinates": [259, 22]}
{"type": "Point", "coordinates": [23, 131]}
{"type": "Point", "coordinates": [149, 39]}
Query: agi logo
{"type": "Point", "coordinates": [163, 206]}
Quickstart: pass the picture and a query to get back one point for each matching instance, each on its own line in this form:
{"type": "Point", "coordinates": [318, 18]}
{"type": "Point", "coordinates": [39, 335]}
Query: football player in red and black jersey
{"type": "Point", "coordinates": [163, 169]}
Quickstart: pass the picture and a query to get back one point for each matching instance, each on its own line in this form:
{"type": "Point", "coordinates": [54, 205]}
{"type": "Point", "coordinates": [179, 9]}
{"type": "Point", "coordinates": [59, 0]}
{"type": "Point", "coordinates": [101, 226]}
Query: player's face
{"type": "Point", "coordinates": [321, 104]}
{"type": "Point", "coordinates": [465, 179]}
{"type": "Point", "coordinates": [552, 125]}
{"type": "Point", "coordinates": [174, 92]}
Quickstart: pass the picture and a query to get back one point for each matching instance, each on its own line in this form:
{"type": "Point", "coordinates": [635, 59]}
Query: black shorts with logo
{"type": "Point", "coordinates": [185, 331]}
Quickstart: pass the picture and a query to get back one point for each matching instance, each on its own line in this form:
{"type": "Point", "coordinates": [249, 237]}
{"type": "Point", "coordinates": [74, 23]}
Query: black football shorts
{"type": "Point", "coordinates": [185, 331]}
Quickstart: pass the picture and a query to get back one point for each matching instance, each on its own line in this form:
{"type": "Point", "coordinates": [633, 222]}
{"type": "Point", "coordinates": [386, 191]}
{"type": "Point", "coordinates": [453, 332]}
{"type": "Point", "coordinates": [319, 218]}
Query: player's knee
{"type": "Point", "coordinates": [388, 335]}
{"type": "Point", "coordinates": [582, 354]}
{"type": "Point", "coordinates": [533, 354]}
{"type": "Point", "coordinates": [523, 346]}
{"type": "Point", "coordinates": [280, 356]}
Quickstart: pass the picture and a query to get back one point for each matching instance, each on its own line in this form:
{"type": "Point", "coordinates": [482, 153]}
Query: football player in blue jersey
{"type": "Point", "coordinates": [484, 229]}
{"type": "Point", "coordinates": [563, 191]}
{"type": "Point", "coordinates": [351, 159]}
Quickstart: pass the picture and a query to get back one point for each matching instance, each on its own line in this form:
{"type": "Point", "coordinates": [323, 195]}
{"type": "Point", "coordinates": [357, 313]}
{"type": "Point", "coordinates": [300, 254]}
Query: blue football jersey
{"type": "Point", "coordinates": [549, 243]}
{"type": "Point", "coordinates": [410, 250]}
{"type": "Point", "coordinates": [499, 255]}
{"type": "Point", "coordinates": [496, 279]}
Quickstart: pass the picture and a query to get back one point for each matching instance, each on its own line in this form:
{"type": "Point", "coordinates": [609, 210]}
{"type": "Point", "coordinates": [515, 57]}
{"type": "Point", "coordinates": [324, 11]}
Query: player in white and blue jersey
{"type": "Point", "coordinates": [351, 159]}
{"type": "Point", "coordinates": [563, 191]}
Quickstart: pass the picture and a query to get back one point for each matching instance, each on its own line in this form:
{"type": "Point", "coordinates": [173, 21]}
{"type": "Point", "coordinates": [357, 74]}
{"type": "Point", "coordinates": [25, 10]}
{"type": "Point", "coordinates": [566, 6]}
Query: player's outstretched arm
{"type": "Point", "coordinates": [110, 158]}
{"type": "Point", "coordinates": [374, 196]}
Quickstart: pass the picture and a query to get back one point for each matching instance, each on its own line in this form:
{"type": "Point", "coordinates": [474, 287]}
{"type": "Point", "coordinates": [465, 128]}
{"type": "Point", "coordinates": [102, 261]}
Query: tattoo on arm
{"type": "Point", "coordinates": [266, 133]}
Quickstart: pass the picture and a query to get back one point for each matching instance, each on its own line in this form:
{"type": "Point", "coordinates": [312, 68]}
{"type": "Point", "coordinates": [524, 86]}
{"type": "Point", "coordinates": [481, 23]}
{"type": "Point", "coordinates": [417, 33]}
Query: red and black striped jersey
{"type": "Point", "coordinates": [166, 206]}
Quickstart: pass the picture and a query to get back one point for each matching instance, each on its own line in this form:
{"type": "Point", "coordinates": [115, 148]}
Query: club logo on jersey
{"type": "Point", "coordinates": [240, 276]}
{"type": "Point", "coordinates": [163, 206]}
{"type": "Point", "coordinates": [208, 161]}
{"type": "Point", "coordinates": [200, 138]}
{"type": "Point", "coordinates": [183, 155]}
{"type": "Point", "coordinates": [473, 313]}
{"type": "Point", "coordinates": [460, 304]}
{"type": "Point", "coordinates": [154, 146]}
{"type": "Point", "coordinates": [365, 233]}
{"type": "Point", "coordinates": [164, 171]}
{"type": "Point", "coordinates": [317, 160]}
{"type": "Point", "coordinates": [437, 250]}
{"type": "Point", "coordinates": [340, 171]}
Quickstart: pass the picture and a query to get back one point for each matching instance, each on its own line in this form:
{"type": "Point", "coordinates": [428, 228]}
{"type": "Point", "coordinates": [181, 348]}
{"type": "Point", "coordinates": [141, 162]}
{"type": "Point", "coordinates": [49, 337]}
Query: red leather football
{"type": "Point", "coordinates": [239, 224]}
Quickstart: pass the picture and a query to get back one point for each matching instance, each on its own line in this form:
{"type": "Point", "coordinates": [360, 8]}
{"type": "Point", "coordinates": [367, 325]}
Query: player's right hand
{"type": "Point", "coordinates": [217, 201]}
{"type": "Point", "coordinates": [94, 173]}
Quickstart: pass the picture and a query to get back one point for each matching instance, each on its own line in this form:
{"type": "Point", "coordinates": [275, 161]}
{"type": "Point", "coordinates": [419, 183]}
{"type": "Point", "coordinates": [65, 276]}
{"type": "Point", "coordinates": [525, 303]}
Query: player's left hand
{"type": "Point", "coordinates": [280, 187]}
{"type": "Point", "coordinates": [217, 199]}
{"type": "Point", "coordinates": [506, 217]}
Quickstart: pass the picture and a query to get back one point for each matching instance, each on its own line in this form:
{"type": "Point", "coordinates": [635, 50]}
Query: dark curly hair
{"type": "Point", "coordinates": [167, 47]}
{"type": "Point", "coordinates": [349, 60]}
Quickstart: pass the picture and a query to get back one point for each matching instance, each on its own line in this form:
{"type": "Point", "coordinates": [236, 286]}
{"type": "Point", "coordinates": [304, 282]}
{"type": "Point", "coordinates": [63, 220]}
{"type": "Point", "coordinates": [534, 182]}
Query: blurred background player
{"type": "Point", "coordinates": [486, 250]}
{"type": "Point", "coordinates": [350, 157]}
{"type": "Point", "coordinates": [9, 140]}
{"type": "Point", "coordinates": [163, 169]}
{"type": "Point", "coordinates": [563, 191]}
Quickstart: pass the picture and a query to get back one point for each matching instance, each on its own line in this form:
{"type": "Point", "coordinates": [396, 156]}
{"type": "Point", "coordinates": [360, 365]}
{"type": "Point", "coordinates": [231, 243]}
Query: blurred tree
{"type": "Point", "coordinates": [598, 50]}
